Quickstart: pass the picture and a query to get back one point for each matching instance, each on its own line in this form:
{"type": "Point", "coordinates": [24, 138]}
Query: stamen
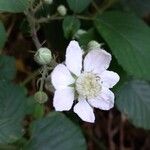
{"type": "Point", "coordinates": [88, 85]}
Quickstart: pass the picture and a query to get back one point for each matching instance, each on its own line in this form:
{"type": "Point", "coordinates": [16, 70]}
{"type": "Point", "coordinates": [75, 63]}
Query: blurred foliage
{"type": "Point", "coordinates": [13, 6]}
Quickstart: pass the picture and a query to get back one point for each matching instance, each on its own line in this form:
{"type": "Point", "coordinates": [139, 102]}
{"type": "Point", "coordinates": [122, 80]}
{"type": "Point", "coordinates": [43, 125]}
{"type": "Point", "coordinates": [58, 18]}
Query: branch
{"type": "Point", "coordinates": [110, 133]}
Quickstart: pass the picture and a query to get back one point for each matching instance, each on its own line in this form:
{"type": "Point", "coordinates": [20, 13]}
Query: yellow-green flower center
{"type": "Point", "coordinates": [88, 85]}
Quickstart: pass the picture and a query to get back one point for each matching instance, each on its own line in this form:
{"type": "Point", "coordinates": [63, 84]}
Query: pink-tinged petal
{"type": "Point", "coordinates": [61, 77]}
{"type": "Point", "coordinates": [74, 58]}
{"type": "Point", "coordinates": [104, 101]}
{"type": "Point", "coordinates": [84, 111]}
{"type": "Point", "coordinates": [63, 99]}
{"type": "Point", "coordinates": [97, 61]}
{"type": "Point", "coordinates": [109, 78]}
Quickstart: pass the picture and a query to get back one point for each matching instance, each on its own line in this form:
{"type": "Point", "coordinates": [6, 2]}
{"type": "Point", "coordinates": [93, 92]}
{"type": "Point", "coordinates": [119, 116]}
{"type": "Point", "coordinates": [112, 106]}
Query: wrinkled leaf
{"type": "Point", "coordinates": [134, 101]}
{"type": "Point", "coordinates": [56, 132]}
{"type": "Point", "coordinates": [129, 38]}
{"type": "Point", "coordinates": [12, 111]}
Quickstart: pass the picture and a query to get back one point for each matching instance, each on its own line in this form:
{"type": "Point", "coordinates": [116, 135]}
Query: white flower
{"type": "Point", "coordinates": [88, 83]}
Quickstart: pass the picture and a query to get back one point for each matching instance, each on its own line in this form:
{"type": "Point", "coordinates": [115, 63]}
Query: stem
{"type": "Point", "coordinates": [106, 4]}
{"type": "Point", "coordinates": [30, 77]}
{"type": "Point", "coordinates": [35, 37]}
{"type": "Point", "coordinates": [33, 24]}
{"type": "Point", "coordinates": [95, 5]}
{"type": "Point", "coordinates": [56, 17]}
{"type": "Point", "coordinates": [38, 7]}
{"type": "Point", "coordinates": [94, 139]}
{"type": "Point", "coordinates": [43, 77]}
{"type": "Point", "coordinates": [85, 17]}
{"type": "Point", "coordinates": [110, 134]}
{"type": "Point", "coordinates": [45, 19]}
{"type": "Point", "coordinates": [122, 132]}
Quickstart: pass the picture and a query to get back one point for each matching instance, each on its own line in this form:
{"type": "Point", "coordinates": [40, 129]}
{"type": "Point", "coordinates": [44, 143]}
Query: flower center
{"type": "Point", "coordinates": [88, 85]}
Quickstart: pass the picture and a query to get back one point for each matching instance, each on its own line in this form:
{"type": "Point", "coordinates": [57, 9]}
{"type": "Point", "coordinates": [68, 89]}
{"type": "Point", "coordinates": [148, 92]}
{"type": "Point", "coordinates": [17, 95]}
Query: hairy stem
{"type": "Point", "coordinates": [33, 25]}
{"type": "Point", "coordinates": [30, 77]}
{"type": "Point", "coordinates": [43, 77]}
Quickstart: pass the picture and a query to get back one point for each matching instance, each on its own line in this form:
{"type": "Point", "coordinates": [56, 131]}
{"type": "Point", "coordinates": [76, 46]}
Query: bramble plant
{"type": "Point", "coordinates": [55, 78]}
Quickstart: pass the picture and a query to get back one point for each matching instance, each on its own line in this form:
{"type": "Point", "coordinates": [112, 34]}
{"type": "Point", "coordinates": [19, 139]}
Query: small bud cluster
{"type": "Point", "coordinates": [79, 33]}
{"type": "Point", "coordinates": [61, 9]}
{"type": "Point", "coordinates": [41, 97]}
{"type": "Point", "coordinates": [93, 45]}
{"type": "Point", "coordinates": [43, 56]}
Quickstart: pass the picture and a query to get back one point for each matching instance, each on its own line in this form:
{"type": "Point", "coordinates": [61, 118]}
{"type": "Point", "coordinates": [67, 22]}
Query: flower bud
{"type": "Point", "coordinates": [48, 1]}
{"type": "Point", "coordinates": [93, 45]}
{"type": "Point", "coordinates": [62, 10]}
{"type": "Point", "coordinates": [41, 97]}
{"type": "Point", "coordinates": [43, 56]}
{"type": "Point", "coordinates": [79, 33]}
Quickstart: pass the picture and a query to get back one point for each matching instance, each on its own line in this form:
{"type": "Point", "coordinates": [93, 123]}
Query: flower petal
{"type": "Point", "coordinates": [63, 99]}
{"type": "Point", "coordinates": [61, 77]}
{"type": "Point", "coordinates": [97, 61]}
{"type": "Point", "coordinates": [74, 58]}
{"type": "Point", "coordinates": [109, 78]}
{"type": "Point", "coordinates": [84, 111]}
{"type": "Point", "coordinates": [104, 101]}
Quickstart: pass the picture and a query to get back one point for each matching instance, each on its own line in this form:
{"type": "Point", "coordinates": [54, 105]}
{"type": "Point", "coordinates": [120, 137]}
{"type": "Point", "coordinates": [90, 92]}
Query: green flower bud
{"type": "Point", "coordinates": [79, 33]}
{"type": "Point", "coordinates": [48, 1]}
{"type": "Point", "coordinates": [41, 97]}
{"type": "Point", "coordinates": [93, 45]}
{"type": "Point", "coordinates": [62, 10]}
{"type": "Point", "coordinates": [43, 56]}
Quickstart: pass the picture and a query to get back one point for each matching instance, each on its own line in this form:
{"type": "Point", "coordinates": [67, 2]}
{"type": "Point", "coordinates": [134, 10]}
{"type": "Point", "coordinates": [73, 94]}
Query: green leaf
{"type": "Point", "coordinates": [78, 5]}
{"type": "Point", "coordinates": [134, 101]}
{"type": "Point", "coordinates": [56, 132]}
{"type": "Point", "coordinates": [7, 67]}
{"type": "Point", "coordinates": [129, 40]}
{"type": "Point", "coordinates": [2, 35]}
{"type": "Point", "coordinates": [12, 111]}
{"type": "Point", "coordinates": [13, 6]}
{"type": "Point", "coordinates": [70, 26]}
